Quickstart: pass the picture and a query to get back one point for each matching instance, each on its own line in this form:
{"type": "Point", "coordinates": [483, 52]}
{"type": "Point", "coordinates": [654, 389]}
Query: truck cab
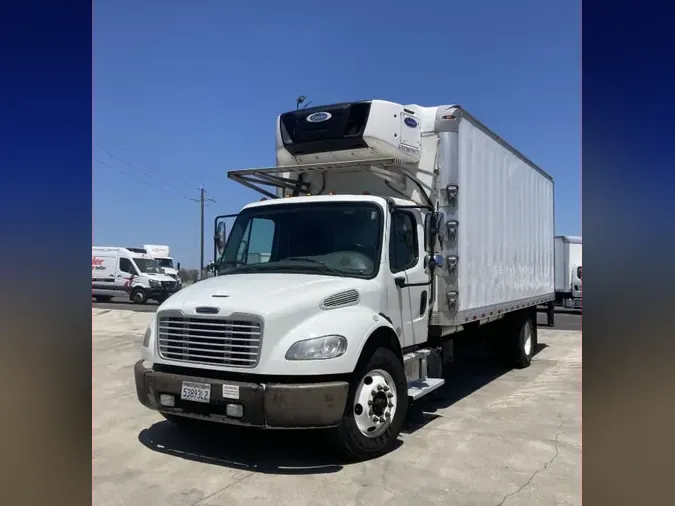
{"type": "Point", "coordinates": [336, 294]}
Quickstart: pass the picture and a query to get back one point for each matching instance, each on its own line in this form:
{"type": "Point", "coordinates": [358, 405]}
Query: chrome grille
{"type": "Point", "coordinates": [169, 284]}
{"type": "Point", "coordinates": [233, 342]}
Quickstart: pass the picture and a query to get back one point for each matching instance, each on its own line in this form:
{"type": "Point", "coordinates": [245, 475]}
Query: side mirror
{"type": "Point", "coordinates": [178, 266]}
{"type": "Point", "coordinates": [432, 223]}
{"type": "Point", "coordinates": [220, 235]}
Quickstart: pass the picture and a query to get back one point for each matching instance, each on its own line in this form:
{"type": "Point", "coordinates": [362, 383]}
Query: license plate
{"type": "Point", "coordinates": [197, 392]}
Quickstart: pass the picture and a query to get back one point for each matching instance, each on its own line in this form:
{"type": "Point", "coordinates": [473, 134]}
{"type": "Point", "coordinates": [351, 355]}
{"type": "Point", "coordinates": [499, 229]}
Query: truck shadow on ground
{"type": "Point", "coordinates": [298, 452]}
{"type": "Point", "coordinates": [473, 369]}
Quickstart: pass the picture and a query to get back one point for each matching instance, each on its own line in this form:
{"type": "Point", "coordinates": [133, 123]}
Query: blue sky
{"type": "Point", "coordinates": [184, 91]}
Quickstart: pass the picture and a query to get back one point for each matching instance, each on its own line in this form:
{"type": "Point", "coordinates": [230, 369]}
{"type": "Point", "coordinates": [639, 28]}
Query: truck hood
{"type": "Point", "coordinates": [266, 294]}
{"type": "Point", "coordinates": [159, 277]}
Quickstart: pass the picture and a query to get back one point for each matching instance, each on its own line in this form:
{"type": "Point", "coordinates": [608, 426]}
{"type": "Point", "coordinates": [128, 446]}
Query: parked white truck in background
{"type": "Point", "coordinates": [128, 272]}
{"type": "Point", "coordinates": [394, 230]}
{"type": "Point", "coordinates": [162, 254]}
{"type": "Point", "coordinates": [568, 271]}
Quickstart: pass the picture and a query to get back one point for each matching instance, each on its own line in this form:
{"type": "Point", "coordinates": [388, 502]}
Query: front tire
{"type": "Point", "coordinates": [376, 407]}
{"type": "Point", "coordinates": [138, 296]}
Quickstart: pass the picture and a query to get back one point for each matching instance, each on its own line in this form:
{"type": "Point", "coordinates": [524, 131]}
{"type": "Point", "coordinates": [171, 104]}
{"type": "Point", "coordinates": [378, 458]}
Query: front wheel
{"type": "Point", "coordinates": [376, 407]}
{"type": "Point", "coordinates": [138, 296]}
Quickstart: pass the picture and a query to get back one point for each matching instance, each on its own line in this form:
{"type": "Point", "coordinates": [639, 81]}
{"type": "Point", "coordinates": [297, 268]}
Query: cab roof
{"type": "Point", "coordinates": [309, 199]}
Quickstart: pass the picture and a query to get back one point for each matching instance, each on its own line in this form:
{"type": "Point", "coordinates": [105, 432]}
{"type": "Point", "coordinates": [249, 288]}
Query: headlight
{"type": "Point", "coordinates": [155, 283]}
{"type": "Point", "coordinates": [146, 337]}
{"type": "Point", "coordinates": [318, 348]}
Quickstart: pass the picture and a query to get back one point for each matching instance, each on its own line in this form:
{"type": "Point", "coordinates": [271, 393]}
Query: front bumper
{"type": "Point", "coordinates": [159, 292]}
{"type": "Point", "coordinates": [271, 405]}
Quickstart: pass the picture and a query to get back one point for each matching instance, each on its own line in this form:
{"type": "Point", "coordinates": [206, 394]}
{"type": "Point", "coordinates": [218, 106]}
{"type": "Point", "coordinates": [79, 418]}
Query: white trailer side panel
{"type": "Point", "coordinates": [506, 221]}
{"type": "Point", "coordinates": [504, 240]}
{"type": "Point", "coordinates": [562, 276]}
{"type": "Point", "coordinates": [567, 259]}
{"type": "Point", "coordinates": [575, 255]}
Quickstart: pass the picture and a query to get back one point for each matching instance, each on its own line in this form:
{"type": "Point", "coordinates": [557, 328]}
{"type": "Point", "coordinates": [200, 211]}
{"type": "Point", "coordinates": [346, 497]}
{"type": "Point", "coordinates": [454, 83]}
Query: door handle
{"type": "Point", "coordinates": [400, 282]}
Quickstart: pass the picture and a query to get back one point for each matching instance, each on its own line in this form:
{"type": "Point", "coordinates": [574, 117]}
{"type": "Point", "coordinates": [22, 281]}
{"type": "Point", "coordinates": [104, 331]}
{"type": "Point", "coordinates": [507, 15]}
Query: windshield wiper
{"type": "Point", "coordinates": [315, 261]}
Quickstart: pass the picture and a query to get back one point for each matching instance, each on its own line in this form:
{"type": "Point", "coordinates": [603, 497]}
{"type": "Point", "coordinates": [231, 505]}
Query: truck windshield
{"type": "Point", "coordinates": [333, 239]}
{"type": "Point", "coordinates": [165, 262]}
{"type": "Point", "coordinates": [147, 265]}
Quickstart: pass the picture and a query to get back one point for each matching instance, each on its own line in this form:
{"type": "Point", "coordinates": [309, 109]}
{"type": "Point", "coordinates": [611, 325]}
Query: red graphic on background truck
{"type": "Point", "coordinates": [97, 264]}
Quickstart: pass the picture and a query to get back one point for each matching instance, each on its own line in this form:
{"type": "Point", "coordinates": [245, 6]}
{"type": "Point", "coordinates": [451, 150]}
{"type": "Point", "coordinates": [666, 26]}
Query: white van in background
{"type": "Point", "coordinates": [128, 272]}
{"type": "Point", "coordinates": [162, 254]}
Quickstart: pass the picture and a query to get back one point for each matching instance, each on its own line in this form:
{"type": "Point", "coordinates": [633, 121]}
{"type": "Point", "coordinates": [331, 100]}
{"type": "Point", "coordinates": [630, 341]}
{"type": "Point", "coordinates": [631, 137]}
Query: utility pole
{"type": "Point", "coordinates": [202, 200]}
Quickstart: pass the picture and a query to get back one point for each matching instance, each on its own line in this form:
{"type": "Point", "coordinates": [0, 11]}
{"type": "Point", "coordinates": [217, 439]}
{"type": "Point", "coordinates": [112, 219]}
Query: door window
{"type": "Point", "coordinates": [403, 247]}
{"type": "Point", "coordinates": [127, 266]}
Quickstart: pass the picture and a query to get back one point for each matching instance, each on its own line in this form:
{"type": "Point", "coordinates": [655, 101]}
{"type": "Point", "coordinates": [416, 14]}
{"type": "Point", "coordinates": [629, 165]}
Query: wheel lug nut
{"type": "Point", "coordinates": [380, 387]}
{"type": "Point", "coordinates": [390, 394]}
{"type": "Point", "coordinates": [381, 419]}
{"type": "Point", "coordinates": [370, 413]}
{"type": "Point", "coordinates": [372, 392]}
{"type": "Point", "coordinates": [375, 419]}
{"type": "Point", "coordinates": [370, 403]}
{"type": "Point", "coordinates": [391, 404]}
{"type": "Point", "coordinates": [386, 388]}
{"type": "Point", "coordinates": [387, 414]}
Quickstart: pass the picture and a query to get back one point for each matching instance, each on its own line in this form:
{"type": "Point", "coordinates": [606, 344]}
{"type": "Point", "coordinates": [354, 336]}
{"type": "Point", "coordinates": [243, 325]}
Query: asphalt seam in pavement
{"type": "Point", "coordinates": [541, 469]}
{"type": "Point", "coordinates": [236, 482]}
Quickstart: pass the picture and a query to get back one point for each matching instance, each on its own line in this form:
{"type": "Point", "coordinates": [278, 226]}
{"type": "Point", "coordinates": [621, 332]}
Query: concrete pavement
{"type": "Point", "coordinates": [489, 437]}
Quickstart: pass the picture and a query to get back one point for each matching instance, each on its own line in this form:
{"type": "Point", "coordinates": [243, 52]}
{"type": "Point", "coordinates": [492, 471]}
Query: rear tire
{"type": "Point", "coordinates": [138, 296]}
{"type": "Point", "coordinates": [523, 340]}
{"type": "Point", "coordinates": [378, 390]}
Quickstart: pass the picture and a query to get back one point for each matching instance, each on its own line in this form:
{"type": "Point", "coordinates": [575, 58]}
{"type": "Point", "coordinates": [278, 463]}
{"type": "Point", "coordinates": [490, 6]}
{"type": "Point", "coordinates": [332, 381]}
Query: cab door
{"type": "Point", "coordinates": [410, 279]}
{"type": "Point", "coordinates": [125, 274]}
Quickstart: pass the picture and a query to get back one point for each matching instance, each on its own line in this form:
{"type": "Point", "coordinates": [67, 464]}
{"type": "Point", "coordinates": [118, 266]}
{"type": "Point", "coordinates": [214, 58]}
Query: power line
{"type": "Point", "coordinates": [138, 169]}
{"type": "Point", "coordinates": [154, 176]}
{"type": "Point", "coordinates": [182, 181]}
{"type": "Point", "coordinates": [141, 181]}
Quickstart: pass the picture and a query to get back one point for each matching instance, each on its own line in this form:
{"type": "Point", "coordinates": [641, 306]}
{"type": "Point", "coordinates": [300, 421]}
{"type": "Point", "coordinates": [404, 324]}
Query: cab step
{"type": "Point", "coordinates": [418, 366]}
{"type": "Point", "coordinates": [420, 388]}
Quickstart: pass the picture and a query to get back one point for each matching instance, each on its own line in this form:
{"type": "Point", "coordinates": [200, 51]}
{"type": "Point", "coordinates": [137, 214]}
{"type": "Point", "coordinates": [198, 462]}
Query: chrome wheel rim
{"type": "Point", "coordinates": [375, 403]}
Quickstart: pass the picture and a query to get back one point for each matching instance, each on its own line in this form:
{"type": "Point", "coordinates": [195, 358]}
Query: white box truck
{"type": "Point", "coordinates": [162, 254]}
{"type": "Point", "coordinates": [568, 271]}
{"type": "Point", "coordinates": [392, 230]}
{"type": "Point", "coordinates": [128, 272]}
